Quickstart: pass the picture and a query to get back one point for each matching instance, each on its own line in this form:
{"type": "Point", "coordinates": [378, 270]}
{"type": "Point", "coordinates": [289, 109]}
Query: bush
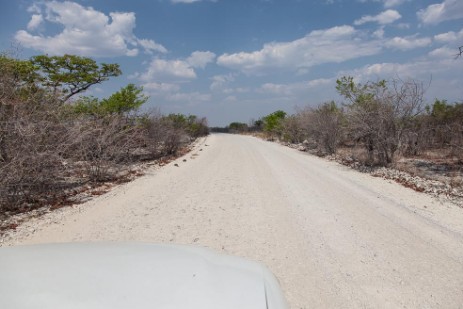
{"type": "Point", "coordinates": [48, 146]}
{"type": "Point", "coordinates": [378, 116]}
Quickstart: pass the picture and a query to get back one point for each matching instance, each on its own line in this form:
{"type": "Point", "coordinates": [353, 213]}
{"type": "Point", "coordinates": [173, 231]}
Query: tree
{"type": "Point", "coordinates": [127, 99]}
{"type": "Point", "coordinates": [69, 75]}
{"type": "Point", "coordinates": [327, 126]}
{"type": "Point", "coordinates": [378, 114]}
{"type": "Point", "coordinates": [197, 126]}
{"type": "Point", "coordinates": [273, 122]}
{"type": "Point", "coordinates": [16, 76]}
{"type": "Point", "coordinates": [256, 125]}
{"type": "Point", "coordinates": [445, 126]}
{"type": "Point", "coordinates": [237, 127]}
{"type": "Point", "coordinates": [293, 129]}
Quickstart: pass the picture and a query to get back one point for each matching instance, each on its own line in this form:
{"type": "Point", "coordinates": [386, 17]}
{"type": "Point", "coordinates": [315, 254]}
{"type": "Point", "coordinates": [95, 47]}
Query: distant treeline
{"type": "Point", "coordinates": [384, 118]}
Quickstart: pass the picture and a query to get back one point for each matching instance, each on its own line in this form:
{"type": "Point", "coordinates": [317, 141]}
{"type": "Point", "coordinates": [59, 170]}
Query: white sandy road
{"type": "Point", "coordinates": [334, 237]}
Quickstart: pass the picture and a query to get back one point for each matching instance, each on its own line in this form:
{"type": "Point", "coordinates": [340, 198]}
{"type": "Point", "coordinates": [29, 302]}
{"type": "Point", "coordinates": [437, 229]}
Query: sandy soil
{"type": "Point", "coordinates": [334, 237]}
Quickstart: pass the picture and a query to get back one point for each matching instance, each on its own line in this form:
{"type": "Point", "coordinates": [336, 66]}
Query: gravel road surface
{"type": "Point", "coordinates": [334, 237]}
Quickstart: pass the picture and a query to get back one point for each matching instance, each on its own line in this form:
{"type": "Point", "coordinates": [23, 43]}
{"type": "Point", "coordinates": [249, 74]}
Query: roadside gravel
{"type": "Point", "coordinates": [335, 237]}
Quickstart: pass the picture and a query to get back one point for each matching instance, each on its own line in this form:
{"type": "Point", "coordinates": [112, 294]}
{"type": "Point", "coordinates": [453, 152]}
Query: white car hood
{"type": "Point", "coordinates": [132, 275]}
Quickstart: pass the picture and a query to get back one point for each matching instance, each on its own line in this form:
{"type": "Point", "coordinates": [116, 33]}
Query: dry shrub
{"type": "Point", "coordinates": [103, 143]}
{"type": "Point", "coordinates": [47, 150]}
{"type": "Point", "coordinates": [32, 140]}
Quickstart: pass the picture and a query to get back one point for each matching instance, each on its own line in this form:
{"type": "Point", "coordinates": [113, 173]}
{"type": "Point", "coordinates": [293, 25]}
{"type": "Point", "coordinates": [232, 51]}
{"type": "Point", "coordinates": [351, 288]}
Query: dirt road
{"type": "Point", "coordinates": [334, 237]}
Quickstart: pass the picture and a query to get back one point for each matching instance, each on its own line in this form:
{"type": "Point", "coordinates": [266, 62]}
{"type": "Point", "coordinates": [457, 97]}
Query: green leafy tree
{"type": "Point", "coordinates": [178, 121]}
{"type": "Point", "coordinates": [257, 125]}
{"type": "Point", "coordinates": [197, 126]}
{"type": "Point", "coordinates": [69, 75]}
{"type": "Point", "coordinates": [238, 127]}
{"type": "Point", "coordinates": [127, 99]}
{"type": "Point", "coordinates": [191, 124]}
{"type": "Point", "coordinates": [273, 122]}
{"type": "Point", "coordinates": [17, 77]}
{"type": "Point", "coordinates": [87, 105]}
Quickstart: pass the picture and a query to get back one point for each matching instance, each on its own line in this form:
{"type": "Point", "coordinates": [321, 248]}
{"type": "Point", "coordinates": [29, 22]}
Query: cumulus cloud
{"type": "Point", "coordinates": [443, 52]}
{"type": "Point", "coordinates": [407, 43]}
{"type": "Point", "coordinates": [220, 81]}
{"type": "Point", "coordinates": [200, 59]}
{"type": "Point", "coordinates": [294, 88]}
{"type": "Point", "coordinates": [449, 37]}
{"type": "Point", "coordinates": [379, 33]}
{"type": "Point", "coordinates": [35, 22]}
{"type": "Point", "coordinates": [393, 3]}
{"type": "Point", "coordinates": [403, 26]}
{"type": "Point", "coordinates": [333, 45]}
{"type": "Point", "coordinates": [190, 97]}
{"type": "Point", "coordinates": [160, 69]}
{"type": "Point", "coordinates": [176, 69]}
{"type": "Point", "coordinates": [420, 69]}
{"type": "Point", "coordinates": [383, 18]}
{"type": "Point", "coordinates": [86, 32]}
{"type": "Point", "coordinates": [437, 13]}
{"type": "Point", "coordinates": [158, 88]}
{"type": "Point", "coordinates": [150, 46]}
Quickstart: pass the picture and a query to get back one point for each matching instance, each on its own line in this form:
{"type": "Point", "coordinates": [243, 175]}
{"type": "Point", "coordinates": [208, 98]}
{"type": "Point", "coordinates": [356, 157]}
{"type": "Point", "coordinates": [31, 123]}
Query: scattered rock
{"type": "Point", "coordinates": [439, 188]}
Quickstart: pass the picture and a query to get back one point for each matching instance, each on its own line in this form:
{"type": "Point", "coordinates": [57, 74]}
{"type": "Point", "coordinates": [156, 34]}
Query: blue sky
{"type": "Point", "coordinates": [234, 60]}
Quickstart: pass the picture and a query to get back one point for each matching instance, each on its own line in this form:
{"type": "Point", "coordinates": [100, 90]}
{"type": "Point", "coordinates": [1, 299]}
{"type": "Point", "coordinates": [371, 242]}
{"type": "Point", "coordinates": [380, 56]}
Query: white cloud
{"type": "Point", "coordinates": [292, 89]}
{"type": "Point", "coordinates": [319, 82]}
{"type": "Point", "coordinates": [383, 18]}
{"type": "Point", "coordinates": [236, 90]}
{"type": "Point", "coordinates": [440, 75]}
{"type": "Point", "coordinates": [450, 37]}
{"type": "Point", "coordinates": [35, 22]}
{"type": "Point", "coordinates": [420, 69]}
{"type": "Point", "coordinates": [176, 69]}
{"type": "Point", "coordinates": [437, 13]}
{"type": "Point", "coordinates": [407, 43]}
{"type": "Point", "coordinates": [34, 8]}
{"type": "Point", "coordinates": [160, 69]}
{"type": "Point", "coordinates": [150, 46]}
{"type": "Point", "coordinates": [220, 81]}
{"type": "Point", "coordinates": [279, 89]}
{"type": "Point", "coordinates": [333, 45]}
{"type": "Point", "coordinates": [403, 26]}
{"type": "Point", "coordinates": [86, 32]}
{"type": "Point", "coordinates": [200, 59]}
{"type": "Point", "coordinates": [443, 52]}
{"type": "Point", "coordinates": [393, 3]}
{"type": "Point", "coordinates": [379, 33]}
{"type": "Point", "coordinates": [157, 88]}
{"type": "Point", "coordinates": [190, 97]}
